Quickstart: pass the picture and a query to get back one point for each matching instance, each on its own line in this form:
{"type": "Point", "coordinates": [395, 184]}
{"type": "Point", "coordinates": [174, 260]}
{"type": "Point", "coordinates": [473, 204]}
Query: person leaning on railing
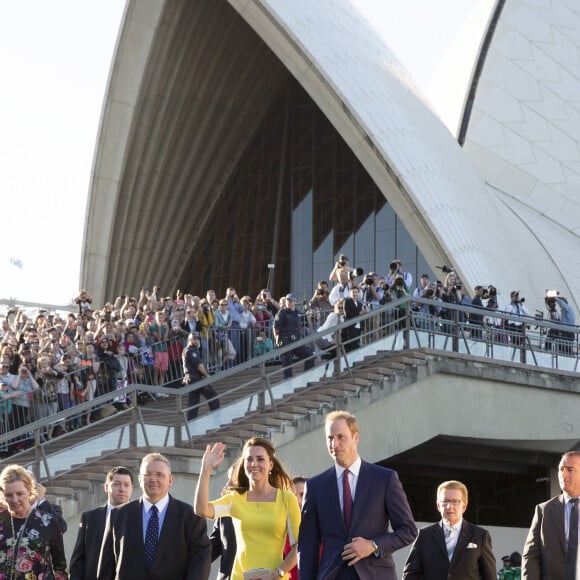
{"type": "Point", "coordinates": [247, 323]}
{"type": "Point", "coordinates": [25, 384]}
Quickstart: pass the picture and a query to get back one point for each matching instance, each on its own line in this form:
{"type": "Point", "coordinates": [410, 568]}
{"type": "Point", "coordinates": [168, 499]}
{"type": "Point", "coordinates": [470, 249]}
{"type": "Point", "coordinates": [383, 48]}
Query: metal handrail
{"type": "Point", "coordinates": [393, 326]}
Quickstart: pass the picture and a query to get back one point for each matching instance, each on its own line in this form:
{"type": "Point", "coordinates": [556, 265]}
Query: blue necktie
{"type": "Point", "coordinates": [573, 539]}
{"type": "Point", "coordinates": [151, 537]}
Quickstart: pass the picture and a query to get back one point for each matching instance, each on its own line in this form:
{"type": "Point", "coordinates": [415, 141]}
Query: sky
{"type": "Point", "coordinates": [55, 59]}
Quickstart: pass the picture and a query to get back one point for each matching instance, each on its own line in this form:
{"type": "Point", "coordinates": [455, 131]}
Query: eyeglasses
{"type": "Point", "coordinates": [154, 475]}
{"type": "Point", "coordinates": [451, 502]}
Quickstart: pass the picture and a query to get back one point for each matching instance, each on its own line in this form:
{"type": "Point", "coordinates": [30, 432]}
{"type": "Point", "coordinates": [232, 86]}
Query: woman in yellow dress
{"type": "Point", "coordinates": [262, 506]}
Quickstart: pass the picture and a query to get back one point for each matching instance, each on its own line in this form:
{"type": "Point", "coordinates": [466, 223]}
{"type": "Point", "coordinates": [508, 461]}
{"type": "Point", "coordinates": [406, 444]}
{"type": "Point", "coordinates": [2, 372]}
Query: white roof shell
{"type": "Point", "coordinates": [452, 210]}
{"type": "Point", "coordinates": [488, 210]}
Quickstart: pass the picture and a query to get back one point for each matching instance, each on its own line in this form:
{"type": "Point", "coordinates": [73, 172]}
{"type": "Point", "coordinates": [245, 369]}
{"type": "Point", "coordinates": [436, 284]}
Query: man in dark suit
{"type": "Point", "coordinates": [347, 510]}
{"type": "Point", "coordinates": [85, 557]}
{"type": "Point", "coordinates": [157, 536]}
{"type": "Point", "coordinates": [551, 548]}
{"type": "Point", "coordinates": [452, 549]}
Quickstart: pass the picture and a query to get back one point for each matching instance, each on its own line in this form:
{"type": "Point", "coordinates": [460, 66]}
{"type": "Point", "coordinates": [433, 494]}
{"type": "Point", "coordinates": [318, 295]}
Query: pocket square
{"type": "Point", "coordinates": [471, 545]}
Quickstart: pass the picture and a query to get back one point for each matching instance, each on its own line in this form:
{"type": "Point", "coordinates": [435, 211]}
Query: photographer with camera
{"type": "Point", "coordinates": [561, 312]}
{"type": "Point", "coordinates": [516, 326]}
{"type": "Point", "coordinates": [372, 295]}
{"type": "Point", "coordinates": [476, 320]}
{"type": "Point", "coordinates": [341, 265]}
{"type": "Point", "coordinates": [319, 306]}
{"type": "Point", "coordinates": [272, 306]}
{"type": "Point", "coordinates": [426, 313]}
{"type": "Point", "coordinates": [396, 269]}
{"type": "Point", "coordinates": [340, 290]}
{"type": "Point", "coordinates": [419, 292]}
{"type": "Point", "coordinates": [452, 293]}
{"type": "Point", "coordinates": [84, 301]}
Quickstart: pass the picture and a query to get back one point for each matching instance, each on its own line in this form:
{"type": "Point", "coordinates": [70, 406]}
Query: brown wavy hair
{"type": "Point", "coordinates": [277, 477]}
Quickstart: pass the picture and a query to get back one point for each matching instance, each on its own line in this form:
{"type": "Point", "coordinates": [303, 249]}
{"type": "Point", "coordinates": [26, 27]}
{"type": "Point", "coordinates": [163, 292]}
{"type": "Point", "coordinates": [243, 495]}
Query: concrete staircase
{"type": "Point", "coordinates": [80, 484]}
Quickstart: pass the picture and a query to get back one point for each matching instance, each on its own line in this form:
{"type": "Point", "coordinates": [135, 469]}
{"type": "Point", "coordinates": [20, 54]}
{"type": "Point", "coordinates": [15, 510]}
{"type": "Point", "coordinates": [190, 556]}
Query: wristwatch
{"type": "Point", "coordinates": [377, 552]}
{"type": "Point", "coordinates": [280, 572]}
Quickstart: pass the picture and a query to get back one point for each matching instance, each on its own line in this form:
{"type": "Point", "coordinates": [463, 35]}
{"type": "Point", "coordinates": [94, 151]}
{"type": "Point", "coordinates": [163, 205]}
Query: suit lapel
{"type": "Point", "coordinates": [465, 535]}
{"type": "Point", "coordinates": [138, 507]}
{"type": "Point", "coordinates": [330, 491]}
{"type": "Point", "coordinates": [556, 512]}
{"type": "Point", "coordinates": [101, 521]}
{"type": "Point", "coordinates": [363, 490]}
{"type": "Point", "coordinates": [438, 536]}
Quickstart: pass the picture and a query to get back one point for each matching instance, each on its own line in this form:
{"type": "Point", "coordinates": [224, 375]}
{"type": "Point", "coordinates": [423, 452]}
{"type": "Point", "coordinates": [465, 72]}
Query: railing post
{"type": "Point", "coordinates": [133, 425]}
{"type": "Point", "coordinates": [455, 335]}
{"type": "Point", "coordinates": [336, 363]}
{"type": "Point", "coordinates": [407, 327]}
{"type": "Point", "coordinates": [179, 420]}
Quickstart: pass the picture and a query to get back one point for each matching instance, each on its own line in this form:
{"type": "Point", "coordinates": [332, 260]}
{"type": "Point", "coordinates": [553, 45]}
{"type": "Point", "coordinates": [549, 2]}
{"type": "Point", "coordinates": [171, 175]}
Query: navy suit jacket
{"type": "Point", "coordinates": [379, 500]}
{"type": "Point", "coordinates": [473, 557]}
{"type": "Point", "coordinates": [85, 557]}
{"type": "Point", "coordinates": [183, 551]}
{"type": "Point", "coordinates": [544, 556]}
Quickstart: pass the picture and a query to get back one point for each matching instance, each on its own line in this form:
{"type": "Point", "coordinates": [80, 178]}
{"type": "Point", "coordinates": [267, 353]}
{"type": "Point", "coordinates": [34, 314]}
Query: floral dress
{"type": "Point", "coordinates": [39, 544]}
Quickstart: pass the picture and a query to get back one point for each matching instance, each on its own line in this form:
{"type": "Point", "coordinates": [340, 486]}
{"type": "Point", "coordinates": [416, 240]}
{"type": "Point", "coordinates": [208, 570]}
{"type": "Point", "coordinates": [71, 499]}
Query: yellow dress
{"type": "Point", "coordinates": [261, 528]}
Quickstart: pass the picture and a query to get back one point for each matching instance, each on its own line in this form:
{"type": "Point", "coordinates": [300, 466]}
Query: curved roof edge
{"type": "Point", "coordinates": [418, 165]}
{"type": "Point", "coordinates": [138, 29]}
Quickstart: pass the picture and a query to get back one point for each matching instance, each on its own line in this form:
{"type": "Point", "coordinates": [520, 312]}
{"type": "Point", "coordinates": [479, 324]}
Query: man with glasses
{"type": "Point", "coordinates": [155, 536]}
{"type": "Point", "coordinates": [452, 549]}
{"type": "Point", "coordinates": [85, 556]}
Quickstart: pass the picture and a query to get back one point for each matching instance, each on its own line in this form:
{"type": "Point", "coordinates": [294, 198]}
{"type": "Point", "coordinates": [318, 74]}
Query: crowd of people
{"type": "Point", "coordinates": [52, 362]}
{"type": "Point", "coordinates": [363, 293]}
{"type": "Point", "coordinates": [343, 523]}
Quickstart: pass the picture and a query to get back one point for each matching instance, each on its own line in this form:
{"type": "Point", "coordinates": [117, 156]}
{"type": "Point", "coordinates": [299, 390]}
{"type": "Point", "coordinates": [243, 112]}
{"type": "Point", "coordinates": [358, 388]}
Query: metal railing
{"type": "Point", "coordinates": [128, 409]}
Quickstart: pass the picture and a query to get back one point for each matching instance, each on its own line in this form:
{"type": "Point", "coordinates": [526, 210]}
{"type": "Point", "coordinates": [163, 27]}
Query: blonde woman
{"type": "Point", "coordinates": [31, 544]}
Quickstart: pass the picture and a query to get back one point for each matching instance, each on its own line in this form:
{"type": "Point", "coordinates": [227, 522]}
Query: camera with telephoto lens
{"type": "Point", "coordinates": [489, 292]}
{"type": "Point", "coordinates": [355, 273]}
{"type": "Point", "coordinates": [369, 281]}
{"type": "Point", "coordinates": [550, 299]}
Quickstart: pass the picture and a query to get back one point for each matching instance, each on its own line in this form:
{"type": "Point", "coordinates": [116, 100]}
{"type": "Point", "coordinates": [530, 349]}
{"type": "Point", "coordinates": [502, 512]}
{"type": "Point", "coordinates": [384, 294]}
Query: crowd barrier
{"type": "Point", "coordinates": [135, 382]}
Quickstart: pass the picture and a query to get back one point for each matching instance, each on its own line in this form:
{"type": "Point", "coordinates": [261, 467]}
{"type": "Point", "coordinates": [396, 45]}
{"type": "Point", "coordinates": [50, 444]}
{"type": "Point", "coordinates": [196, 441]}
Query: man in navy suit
{"type": "Point", "coordinates": [551, 548]}
{"type": "Point", "coordinates": [156, 537]}
{"type": "Point", "coordinates": [452, 549]}
{"type": "Point", "coordinates": [347, 510]}
{"type": "Point", "coordinates": [85, 557]}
